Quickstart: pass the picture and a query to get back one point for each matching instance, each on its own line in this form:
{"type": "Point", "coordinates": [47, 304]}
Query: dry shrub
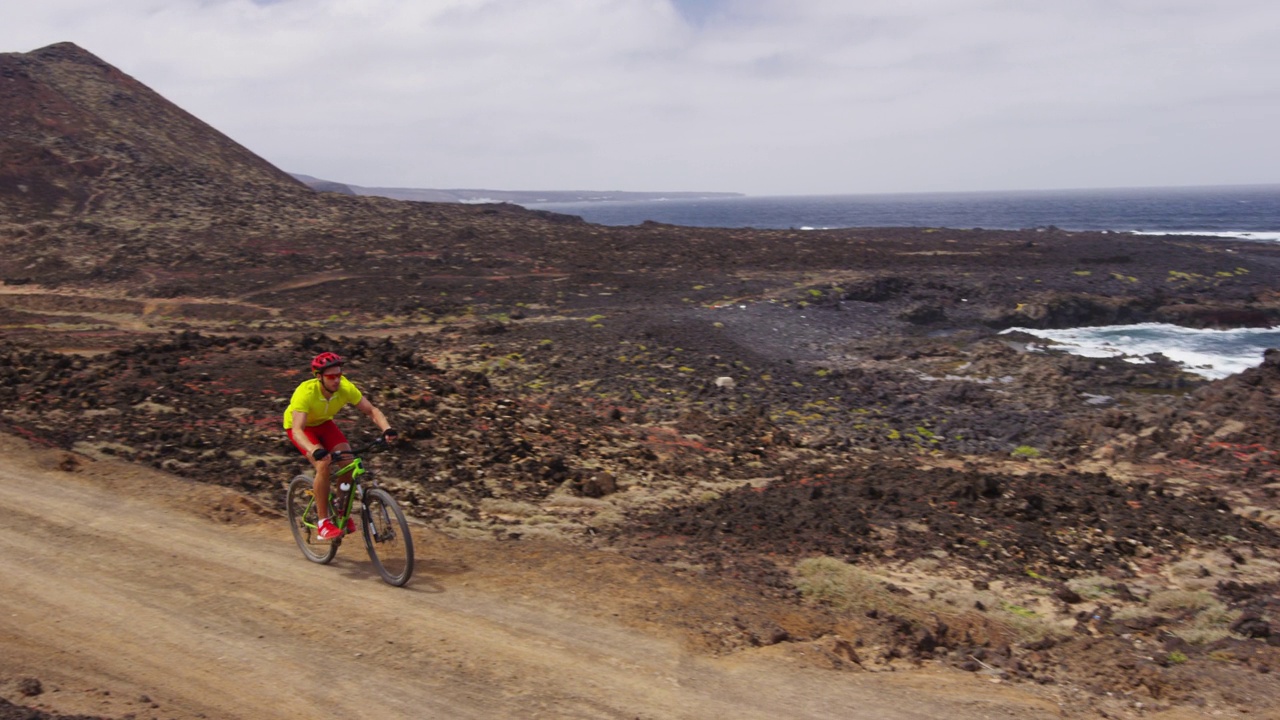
{"type": "Point", "coordinates": [1181, 600]}
{"type": "Point", "coordinates": [1205, 618]}
{"type": "Point", "coordinates": [1092, 587]}
{"type": "Point", "coordinates": [605, 519]}
{"type": "Point", "coordinates": [510, 508]}
{"type": "Point", "coordinates": [840, 585]}
{"type": "Point", "coordinates": [851, 589]}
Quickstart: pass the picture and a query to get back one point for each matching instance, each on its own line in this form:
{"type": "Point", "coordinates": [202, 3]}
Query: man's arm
{"type": "Point", "coordinates": [373, 414]}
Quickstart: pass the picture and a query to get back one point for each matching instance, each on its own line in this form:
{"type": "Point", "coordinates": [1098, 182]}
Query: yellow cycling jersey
{"type": "Point", "coordinates": [310, 399]}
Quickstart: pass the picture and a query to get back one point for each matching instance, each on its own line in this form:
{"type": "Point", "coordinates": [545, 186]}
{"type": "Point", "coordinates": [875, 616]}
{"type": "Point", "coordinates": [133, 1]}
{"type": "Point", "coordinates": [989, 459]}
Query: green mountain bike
{"type": "Point", "coordinates": [386, 532]}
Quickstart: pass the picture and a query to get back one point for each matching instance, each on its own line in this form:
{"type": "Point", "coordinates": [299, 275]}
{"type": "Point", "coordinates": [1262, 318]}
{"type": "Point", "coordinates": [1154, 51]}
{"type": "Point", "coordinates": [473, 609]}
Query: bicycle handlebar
{"type": "Point", "coordinates": [379, 443]}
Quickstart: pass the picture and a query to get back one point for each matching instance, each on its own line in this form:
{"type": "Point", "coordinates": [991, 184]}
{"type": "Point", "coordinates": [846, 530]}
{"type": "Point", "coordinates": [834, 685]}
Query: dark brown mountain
{"type": "Point", "coordinates": [102, 180]}
{"type": "Point", "coordinates": [82, 137]}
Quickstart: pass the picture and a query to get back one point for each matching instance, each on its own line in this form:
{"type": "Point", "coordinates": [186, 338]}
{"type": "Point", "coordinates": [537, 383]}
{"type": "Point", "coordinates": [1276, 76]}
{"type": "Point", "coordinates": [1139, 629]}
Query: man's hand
{"type": "Point", "coordinates": [319, 454]}
{"type": "Point", "coordinates": [390, 435]}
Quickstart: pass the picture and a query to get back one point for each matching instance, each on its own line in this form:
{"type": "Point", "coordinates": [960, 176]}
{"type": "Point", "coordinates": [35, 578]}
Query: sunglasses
{"type": "Point", "coordinates": [331, 375]}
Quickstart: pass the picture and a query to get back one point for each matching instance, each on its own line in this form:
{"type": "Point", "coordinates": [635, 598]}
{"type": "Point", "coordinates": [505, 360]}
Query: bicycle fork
{"type": "Point", "coordinates": [381, 529]}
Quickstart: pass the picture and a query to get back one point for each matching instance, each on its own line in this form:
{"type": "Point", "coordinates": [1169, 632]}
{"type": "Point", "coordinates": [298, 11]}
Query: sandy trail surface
{"type": "Point", "coordinates": [125, 594]}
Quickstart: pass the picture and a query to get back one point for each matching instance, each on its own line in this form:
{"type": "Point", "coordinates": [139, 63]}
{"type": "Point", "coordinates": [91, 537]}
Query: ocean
{"type": "Point", "coordinates": [1212, 354]}
{"type": "Point", "coordinates": [1242, 212]}
{"type": "Point", "coordinates": [1249, 211]}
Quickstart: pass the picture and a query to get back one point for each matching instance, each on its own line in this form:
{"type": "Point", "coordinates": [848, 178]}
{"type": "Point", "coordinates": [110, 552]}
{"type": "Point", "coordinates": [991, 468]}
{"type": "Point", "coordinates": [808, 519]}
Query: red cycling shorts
{"type": "Point", "coordinates": [326, 435]}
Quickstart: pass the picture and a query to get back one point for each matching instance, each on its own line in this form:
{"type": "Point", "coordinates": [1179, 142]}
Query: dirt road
{"type": "Point", "coordinates": [127, 591]}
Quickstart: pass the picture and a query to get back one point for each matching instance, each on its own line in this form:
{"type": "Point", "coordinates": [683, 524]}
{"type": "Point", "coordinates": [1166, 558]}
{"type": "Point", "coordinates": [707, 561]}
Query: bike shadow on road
{"type": "Point", "coordinates": [426, 573]}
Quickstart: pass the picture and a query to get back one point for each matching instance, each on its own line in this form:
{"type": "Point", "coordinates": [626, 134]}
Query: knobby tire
{"type": "Point", "coordinates": [386, 535]}
{"type": "Point", "coordinates": [301, 511]}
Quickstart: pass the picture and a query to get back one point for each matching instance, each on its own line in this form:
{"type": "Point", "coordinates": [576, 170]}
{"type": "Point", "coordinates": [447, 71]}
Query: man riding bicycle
{"type": "Point", "coordinates": [308, 421]}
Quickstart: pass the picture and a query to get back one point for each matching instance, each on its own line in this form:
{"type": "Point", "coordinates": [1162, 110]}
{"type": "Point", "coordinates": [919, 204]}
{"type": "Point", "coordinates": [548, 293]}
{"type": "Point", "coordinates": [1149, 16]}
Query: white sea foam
{"type": "Point", "coordinates": [1213, 354]}
{"type": "Point", "coordinates": [1259, 236]}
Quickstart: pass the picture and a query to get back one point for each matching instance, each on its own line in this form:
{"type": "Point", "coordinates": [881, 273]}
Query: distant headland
{"type": "Point", "coordinates": [512, 196]}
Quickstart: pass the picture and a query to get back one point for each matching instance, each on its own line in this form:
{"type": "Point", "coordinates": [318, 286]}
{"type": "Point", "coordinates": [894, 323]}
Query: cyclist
{"type": "Point", "coordinates": [308, 421]}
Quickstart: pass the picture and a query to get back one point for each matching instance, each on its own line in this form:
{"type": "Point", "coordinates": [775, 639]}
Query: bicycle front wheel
{"type": "Point", "coordinates": [386, 534]}
{"type": "Point", "coordinates": [301, 507]}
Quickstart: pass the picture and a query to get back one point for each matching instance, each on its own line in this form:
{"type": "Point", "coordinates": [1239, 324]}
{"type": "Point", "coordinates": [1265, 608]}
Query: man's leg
{"type": "Point", "coordinates": [338, 480]}
{"type": "Point", "coordinates": [331, 438]}
{"type": "Point", "coordinates": [321, 485]}
{"type": "Point", "coordinates": [320, 481]}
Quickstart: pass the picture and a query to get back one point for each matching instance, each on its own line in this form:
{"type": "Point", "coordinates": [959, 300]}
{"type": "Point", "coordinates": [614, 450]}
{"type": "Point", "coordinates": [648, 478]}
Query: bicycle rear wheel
{"type": "Point", "coordinates": [386, 535]}
{"type": "Point", "coordinates": [300, 504]}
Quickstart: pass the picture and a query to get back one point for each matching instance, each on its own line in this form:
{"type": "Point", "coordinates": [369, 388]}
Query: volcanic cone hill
{"type": "Point", "coordinates": [104, 144]}
{"type": "Point", "coordinates": [829, 423]}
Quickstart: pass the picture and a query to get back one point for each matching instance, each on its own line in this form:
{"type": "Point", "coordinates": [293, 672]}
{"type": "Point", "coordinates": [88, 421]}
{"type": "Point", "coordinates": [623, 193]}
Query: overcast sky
{"type": "Point", "coordinates": [765, 97]}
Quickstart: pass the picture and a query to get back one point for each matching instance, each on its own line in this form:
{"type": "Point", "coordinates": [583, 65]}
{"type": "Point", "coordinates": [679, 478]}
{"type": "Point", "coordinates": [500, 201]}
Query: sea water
{"type": "Point", "coordinates": [1213, 354]}
{"type": "Point", "coordinates": [1241, 212]}
{"type": "Point", "coordinates": [1238, 211]}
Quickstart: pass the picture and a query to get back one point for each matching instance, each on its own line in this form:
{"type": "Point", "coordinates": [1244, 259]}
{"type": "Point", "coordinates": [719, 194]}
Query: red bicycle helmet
{"type": "Point", "coordinates": [325, 360]}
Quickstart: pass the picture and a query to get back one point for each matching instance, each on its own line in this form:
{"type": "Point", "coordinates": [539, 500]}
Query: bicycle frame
{"type": "Point", "coordinates": [353, 470]}
{"type": "Point", "coordinates": [385, 529]}
{"type": "Point", "coordinates": [356, 469]}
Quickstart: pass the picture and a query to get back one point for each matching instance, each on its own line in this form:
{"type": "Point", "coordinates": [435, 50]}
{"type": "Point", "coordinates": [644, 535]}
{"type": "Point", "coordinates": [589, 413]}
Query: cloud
{"type": "Point", "coordinates": [761, 96]}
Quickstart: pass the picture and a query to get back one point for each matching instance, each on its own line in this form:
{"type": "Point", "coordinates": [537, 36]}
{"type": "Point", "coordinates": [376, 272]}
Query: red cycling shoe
{"type": "Point", "coordinates": [326, 530]}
